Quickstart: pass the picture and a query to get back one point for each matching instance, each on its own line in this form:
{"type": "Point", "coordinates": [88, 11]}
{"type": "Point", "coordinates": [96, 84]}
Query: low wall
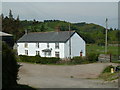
{"type": "Point", "coordinates": [104, 58]}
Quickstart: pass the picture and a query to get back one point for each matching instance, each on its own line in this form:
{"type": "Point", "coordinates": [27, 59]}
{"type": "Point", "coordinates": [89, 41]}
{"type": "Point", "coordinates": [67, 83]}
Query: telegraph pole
{"type": "Point", "coordinates": [106, 36]}
{"type": "Point", "coordinates": [69, 43]}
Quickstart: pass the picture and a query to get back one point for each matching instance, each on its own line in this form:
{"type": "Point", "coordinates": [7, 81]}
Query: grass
{"type": "Point", "coordinates": [107, 75]}
{"type": "Point", "coordinates": [21, 86]}
{"type": "Point", "coordinates": [101, 49]}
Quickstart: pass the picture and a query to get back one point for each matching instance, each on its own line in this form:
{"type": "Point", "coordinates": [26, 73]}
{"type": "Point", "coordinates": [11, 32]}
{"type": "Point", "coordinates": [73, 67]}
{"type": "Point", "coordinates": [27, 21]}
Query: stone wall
{"type": "Point", "coordinates": [104, 58]}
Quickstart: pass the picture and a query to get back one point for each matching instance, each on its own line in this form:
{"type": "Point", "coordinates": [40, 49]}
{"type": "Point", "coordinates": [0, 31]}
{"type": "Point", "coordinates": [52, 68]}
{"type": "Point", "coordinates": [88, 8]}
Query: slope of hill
{"type": "Point", "coordinates": [91, 33]}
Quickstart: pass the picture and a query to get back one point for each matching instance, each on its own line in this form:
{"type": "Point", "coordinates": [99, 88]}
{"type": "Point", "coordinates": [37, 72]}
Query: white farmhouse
{"type": "Point", "coordinates": [63, 44]}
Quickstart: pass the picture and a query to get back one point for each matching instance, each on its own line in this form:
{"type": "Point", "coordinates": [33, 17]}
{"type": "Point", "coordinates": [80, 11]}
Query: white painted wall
{"type": "Point", "coordinates": [77, 44]}
{"type": "Point", "coordinates": [32, 49]}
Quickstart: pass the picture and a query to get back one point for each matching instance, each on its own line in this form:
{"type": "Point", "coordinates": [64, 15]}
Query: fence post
{"type": "Point", "coordinates": [110, 58]}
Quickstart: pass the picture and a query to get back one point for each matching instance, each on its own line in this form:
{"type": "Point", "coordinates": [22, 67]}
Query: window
{"type": "Point", "coordinates": [37, 45]}
{"type": "Point", "coordinates": [56, 54]}
{"type": "Point", "coordinates": [26, 52]}
{"type": "Point", "coordinates": [37, 52]}
{"type": "Point", "coordinates": [57, 45]}
{"type": "Point", "coordinates": [26, 45]}
{"type": "Point", "coordinates": [47, 45]}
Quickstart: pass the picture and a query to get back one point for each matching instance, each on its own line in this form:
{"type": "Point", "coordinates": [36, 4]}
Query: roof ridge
{"type": "Point", "coordinates": [52, 31]}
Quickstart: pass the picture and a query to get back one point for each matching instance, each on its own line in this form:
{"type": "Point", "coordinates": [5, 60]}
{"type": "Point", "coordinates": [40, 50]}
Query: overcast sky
{"type": "Point", "coordinates": [90, 12]}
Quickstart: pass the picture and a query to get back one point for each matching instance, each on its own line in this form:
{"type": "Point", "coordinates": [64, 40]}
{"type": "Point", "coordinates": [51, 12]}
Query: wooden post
{"type": "Point", "coordinates": [106, 37]}
{"type": "Point", "coordinates": [69, 43]}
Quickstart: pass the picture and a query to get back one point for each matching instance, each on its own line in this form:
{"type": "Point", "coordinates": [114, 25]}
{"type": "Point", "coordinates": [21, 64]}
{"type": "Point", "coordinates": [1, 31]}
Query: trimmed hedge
{"type": "Point", "coordinates": [38, 59]}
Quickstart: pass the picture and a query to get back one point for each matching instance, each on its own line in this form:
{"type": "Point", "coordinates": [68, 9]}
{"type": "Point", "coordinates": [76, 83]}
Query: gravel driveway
{"type": "Point", "coordinates": [64, 76]}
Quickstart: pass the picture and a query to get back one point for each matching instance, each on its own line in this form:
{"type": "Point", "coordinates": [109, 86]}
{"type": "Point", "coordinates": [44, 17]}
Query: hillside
{"type": "Point", "coordinates": [90, 32]}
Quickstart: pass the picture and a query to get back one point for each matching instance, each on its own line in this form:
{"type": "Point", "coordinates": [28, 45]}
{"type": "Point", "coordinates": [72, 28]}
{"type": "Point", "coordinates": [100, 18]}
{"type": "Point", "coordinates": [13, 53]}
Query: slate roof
{"type": "Point", "coordinates": [4, 34]}
{"type": "Point", "coordinates": [60, 36]}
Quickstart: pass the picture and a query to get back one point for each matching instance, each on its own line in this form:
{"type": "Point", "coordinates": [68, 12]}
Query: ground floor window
{"type": "Point", "coordinates": [26, 52]}
{"type": "Point", "coordinates": [57, 54]}
{"type": "Point", "coordinates": [37, 52]}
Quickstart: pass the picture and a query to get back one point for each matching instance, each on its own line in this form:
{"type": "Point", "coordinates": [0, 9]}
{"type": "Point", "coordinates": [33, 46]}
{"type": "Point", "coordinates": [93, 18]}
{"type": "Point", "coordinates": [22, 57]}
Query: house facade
{"type": "Point", "coordinates": [63, 44]}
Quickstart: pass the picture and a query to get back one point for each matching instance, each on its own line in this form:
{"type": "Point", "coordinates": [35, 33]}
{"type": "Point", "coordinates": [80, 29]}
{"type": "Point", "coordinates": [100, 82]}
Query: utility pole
{"type": "Point", "coordinates": [69, 43]}
{"type": "Point", "coordinates": [106, 36]}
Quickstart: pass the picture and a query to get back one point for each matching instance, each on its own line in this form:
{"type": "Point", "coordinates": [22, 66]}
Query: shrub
{"type": "Point", "coordinates": [79, 60]}
{"type": "Point", "coordinates": [108, 69]}
{"type": "Point", "coordinates": [38, 59]}
{"type": "Point", "coordinates": [49, 60]}
{"type": "Point", "coordinates": [31, 59]}
{"type": "Point", "coordinates": [9, 67]}
{"type": "Point", "coordinates": [92, 57]}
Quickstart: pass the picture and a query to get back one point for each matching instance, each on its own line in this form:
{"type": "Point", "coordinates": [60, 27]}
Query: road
{"type": "Point", "coordinates": [64, 76]}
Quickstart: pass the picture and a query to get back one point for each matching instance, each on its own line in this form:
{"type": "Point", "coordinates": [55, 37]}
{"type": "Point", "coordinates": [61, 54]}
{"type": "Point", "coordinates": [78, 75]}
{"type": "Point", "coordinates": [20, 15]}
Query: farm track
{"type": "Point", "coordinates": [64, 76]}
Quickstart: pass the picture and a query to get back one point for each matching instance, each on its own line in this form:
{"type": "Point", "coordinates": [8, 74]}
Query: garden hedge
{"type": "Point", "coordinates": [38, 59]}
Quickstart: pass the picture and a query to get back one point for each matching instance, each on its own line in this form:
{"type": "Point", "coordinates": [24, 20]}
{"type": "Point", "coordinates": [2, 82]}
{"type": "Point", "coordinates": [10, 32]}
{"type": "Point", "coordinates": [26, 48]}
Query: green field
{"type": "Point", "coordinates": [92, 48]}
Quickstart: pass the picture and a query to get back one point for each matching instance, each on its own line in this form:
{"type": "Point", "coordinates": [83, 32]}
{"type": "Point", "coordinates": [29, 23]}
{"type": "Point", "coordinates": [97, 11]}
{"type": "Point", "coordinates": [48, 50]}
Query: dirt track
{"type": "Point", "coordinates": [63, 76]}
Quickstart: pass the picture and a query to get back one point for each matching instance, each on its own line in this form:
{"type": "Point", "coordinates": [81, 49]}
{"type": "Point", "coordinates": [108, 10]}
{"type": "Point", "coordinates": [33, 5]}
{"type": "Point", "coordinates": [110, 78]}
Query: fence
{"type": "Point", "coordinates": [108, 58]}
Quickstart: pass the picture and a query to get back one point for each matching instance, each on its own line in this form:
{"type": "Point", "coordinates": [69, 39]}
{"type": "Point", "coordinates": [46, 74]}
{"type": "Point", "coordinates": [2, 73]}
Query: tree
{"type": "Point", "coordinates": [2, 16]}
{"type": "Point", "coordinates": [18, 18]}
{"type": "Point", "coordinates": [10, 67]}
{"type": "Point", "coordinates": [111, 29]}
{"type": "Point", "coordinates": [42, 28]}
{"type": "Point", "coordinates": [10, 14]}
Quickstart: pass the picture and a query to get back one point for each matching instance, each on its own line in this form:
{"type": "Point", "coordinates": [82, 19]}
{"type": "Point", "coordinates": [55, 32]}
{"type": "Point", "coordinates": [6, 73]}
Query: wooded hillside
{"type": "Point", "coordinates": [91, 33]}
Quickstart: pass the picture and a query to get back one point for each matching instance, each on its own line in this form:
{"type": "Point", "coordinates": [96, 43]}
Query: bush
{"type": "Point", "coordinates": [92, 57]}
{"type": "Point", "coordinates": [9, 67]}
{"type": "Point", "coordinates": [38, 59]}
{"type": "Point", "coordinates": [79, 60]}
{"type": "Point", "coordinates": [107, 69]}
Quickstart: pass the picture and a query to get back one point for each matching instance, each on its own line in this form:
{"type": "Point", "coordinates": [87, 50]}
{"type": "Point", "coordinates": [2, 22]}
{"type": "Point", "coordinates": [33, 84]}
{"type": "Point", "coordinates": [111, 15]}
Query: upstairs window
{"type": "Point", "coordinates": [26, 45]}
{"type": "Point", "coordinates": [37, 45]}
{"type": "Point", "coordinates": [47, 45]}
{"type": "Point", "coordinates": [56, 45]}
